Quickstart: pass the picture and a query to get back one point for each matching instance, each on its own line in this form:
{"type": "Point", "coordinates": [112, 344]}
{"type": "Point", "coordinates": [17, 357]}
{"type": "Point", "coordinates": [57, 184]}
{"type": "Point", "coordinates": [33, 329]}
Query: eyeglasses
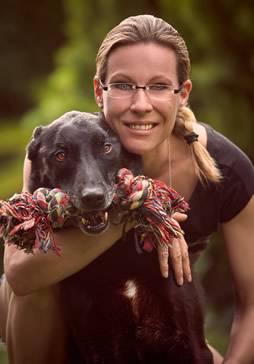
{"type": "Point", "coordinates": [124, 90]}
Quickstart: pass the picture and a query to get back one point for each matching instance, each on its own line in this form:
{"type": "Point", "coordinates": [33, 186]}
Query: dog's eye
{"type": "Point", "coordinates": [61, 156]}
{"type": "Point", "coordinates": [107, 148]}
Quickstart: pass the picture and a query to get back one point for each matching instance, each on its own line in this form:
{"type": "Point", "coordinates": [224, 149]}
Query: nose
{"type": "Point", "coordinates": [93, 198]}
{"type": "Point", "coordinates": [141, 102]}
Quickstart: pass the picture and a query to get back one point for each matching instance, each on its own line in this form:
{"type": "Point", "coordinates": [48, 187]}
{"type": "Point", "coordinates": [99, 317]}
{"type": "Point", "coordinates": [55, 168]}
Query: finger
{"type": "Point", "coordinates": [184, 266]}
{"type": "Point", "coordinates": [176, 258]}
{"type": "Point", "coordinates": [185, 259]}
{"type": "Point", "coordinates": [179, 216]}
{"type": "Point", "coordinates": [163, 260]}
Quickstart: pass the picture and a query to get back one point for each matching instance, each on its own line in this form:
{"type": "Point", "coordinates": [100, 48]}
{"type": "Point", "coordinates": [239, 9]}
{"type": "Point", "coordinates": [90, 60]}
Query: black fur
{"type": "Point", "coordinates": [119, 308]}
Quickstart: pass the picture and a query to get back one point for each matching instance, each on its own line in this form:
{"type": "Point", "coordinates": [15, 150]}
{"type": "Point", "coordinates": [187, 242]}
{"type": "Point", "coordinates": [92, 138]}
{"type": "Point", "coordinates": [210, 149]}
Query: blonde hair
{"type": "Point", "coordinates": [146, 29]}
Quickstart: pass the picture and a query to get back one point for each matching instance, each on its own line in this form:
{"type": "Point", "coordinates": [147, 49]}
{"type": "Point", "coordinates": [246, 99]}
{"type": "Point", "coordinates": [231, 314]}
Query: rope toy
{"type": "Point", "coordinates": [27, 220]}
{"type": "Point", "coordinates": [151, 204]}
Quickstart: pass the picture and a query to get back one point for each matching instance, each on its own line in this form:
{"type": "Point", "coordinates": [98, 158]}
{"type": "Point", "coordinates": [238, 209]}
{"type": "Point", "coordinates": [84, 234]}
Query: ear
{"type": "Point", "coordinates": [34, 144]}
{"type": "Point", "coordinates": [184, 94]}
{"type": "Point", "coordinates": [98, 92]}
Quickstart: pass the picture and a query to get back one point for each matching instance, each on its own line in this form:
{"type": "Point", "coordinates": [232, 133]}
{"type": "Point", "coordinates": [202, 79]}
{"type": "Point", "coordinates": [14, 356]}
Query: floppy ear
{"type": "Point", "coordinates": [35, 141]}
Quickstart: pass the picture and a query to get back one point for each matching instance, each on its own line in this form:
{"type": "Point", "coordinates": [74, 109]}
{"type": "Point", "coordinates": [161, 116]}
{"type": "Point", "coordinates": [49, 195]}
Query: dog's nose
{"type": "Point", "coordinates": [93, 198]}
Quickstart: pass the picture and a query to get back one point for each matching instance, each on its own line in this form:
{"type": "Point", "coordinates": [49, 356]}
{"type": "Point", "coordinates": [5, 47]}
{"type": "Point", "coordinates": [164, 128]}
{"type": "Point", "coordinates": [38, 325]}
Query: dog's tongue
{"type": "Point", "coordinates": [94, 222]}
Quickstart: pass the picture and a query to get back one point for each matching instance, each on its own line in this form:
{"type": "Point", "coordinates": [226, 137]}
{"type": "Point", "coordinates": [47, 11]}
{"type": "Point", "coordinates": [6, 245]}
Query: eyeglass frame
{"type": "Point", "coordinates": [136, 87]}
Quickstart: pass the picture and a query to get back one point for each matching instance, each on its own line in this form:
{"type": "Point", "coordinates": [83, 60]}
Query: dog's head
{"type": "Point", "coordinates": [79, 154]}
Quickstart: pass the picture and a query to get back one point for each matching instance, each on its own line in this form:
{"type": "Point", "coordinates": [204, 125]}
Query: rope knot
{"type": "Point", "coordinates": [151, 204]}
{"type": "Point", "coordinates": [131, 192]}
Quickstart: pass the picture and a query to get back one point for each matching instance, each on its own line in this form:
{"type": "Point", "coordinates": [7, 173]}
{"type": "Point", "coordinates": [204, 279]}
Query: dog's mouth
{"type": "Point", "coordinates": [94, 222]}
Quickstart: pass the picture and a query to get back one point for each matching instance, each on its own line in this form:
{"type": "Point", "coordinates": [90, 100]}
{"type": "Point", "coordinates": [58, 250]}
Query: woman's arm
{"type": "Point", "coordinates": [27, 273]}
{"type": "Point", "coordinates": [239, 238]}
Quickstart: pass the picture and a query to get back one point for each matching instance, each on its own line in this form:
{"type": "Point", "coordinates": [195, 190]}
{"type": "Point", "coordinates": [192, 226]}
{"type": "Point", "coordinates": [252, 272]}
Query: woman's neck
{"type": "Point", "coordinates": [175, 172]}
{"type": "Point", "coordinates": [158, 161]}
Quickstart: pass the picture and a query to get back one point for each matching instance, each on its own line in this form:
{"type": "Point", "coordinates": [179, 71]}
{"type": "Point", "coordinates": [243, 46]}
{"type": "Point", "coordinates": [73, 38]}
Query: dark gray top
{"type": "Point", "coordinates": [218, 203]}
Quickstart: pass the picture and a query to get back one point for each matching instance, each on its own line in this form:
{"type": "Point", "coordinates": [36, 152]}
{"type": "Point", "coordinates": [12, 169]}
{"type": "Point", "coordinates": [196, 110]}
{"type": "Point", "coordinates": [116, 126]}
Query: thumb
{"type": "Point", "coordinates": [179, 216]}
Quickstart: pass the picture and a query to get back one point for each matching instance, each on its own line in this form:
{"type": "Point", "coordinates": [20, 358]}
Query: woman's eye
{"type": "Point", "coordinates": [123, 86]}
{"type": "Point", "coordinates": [61, 156]}
{"type": "Point", "coordinates": [107, 148]}
{"type": "Point", "coordinates": [157, 87]}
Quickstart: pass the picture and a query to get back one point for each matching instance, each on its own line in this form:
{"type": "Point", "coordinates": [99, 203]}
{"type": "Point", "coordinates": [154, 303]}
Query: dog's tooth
{"type": "Point", "coordinates": [84, 221]}
{"type": "Point", "coordinates": [105, 216]}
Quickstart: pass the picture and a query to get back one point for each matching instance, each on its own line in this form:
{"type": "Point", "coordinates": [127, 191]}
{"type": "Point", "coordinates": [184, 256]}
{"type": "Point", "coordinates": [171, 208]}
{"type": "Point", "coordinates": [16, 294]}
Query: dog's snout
{"type": "Point", "coordinates": [93, 197]}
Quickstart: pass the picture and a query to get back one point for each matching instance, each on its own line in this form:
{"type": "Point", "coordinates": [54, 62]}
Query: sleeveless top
{"type": "Point", "coordinates": [217, 203]}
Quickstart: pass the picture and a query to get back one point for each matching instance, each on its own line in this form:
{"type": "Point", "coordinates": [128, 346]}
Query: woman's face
{"type": "Point", "coordinates": [142, 123]}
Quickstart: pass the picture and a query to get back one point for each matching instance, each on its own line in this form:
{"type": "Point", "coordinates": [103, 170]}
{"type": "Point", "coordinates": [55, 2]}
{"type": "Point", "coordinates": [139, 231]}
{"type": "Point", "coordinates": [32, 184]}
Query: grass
{"type": "Point", "coordinates": [3, 354]}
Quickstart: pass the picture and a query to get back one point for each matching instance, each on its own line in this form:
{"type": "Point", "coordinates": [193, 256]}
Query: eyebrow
{"type": "Point", "coordinates": [162, 79]}
{"type": "Point", "coordinates": [121, 75]}
{"type": "Point", "coordinates": [128, 79]}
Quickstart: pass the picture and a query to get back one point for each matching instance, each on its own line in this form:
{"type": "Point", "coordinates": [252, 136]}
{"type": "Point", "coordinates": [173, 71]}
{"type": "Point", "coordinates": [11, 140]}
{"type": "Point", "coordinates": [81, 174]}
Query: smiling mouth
{"type": "Point", "coordinates": [141, 126]}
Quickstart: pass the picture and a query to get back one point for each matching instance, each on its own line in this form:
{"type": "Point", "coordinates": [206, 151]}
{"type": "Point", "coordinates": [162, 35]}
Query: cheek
{"type": "Point", "coordinates": [171, 115]}
{"type": "Point", "coordinates": [110, 120]}
{"type": "Point", "coordinates": [112, 110]}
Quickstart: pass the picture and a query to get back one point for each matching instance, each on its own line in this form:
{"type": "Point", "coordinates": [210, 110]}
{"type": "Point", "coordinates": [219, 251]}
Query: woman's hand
{"type": "Point", "coordinates": [178, 254]}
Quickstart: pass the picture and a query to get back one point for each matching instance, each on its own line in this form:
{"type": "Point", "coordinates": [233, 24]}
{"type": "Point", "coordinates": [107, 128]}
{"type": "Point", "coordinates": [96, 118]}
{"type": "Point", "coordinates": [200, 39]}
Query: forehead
{"type": "Point", "coordinates": [142, 60]}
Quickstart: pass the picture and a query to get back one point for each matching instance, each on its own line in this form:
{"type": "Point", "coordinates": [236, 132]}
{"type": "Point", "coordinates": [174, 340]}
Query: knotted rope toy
{"type": "Point", "coordinates": [27, 220]}
{"type": "Point", "coordinates": [151, 204]}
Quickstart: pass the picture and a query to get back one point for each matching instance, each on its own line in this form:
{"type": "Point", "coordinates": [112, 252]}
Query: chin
{"type": "Point", "coordinates": [135, 148]}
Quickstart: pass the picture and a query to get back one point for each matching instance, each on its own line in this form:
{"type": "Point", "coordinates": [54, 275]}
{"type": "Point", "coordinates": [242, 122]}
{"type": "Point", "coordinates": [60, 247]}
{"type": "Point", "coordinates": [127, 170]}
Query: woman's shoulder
{"type": "Point", "coordinates": [226, 154]}
{"type": "Point", "coordinates": [237, 171]}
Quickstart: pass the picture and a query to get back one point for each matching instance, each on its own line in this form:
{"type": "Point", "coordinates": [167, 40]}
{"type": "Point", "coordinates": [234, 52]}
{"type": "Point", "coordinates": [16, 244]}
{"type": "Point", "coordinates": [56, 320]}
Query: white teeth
{"type": "Point", "coordinates": [141, 126]}
{"type": "Point", "coordinates": [106, 216]}
{"type": "Point", "coordinates": [84, 221]}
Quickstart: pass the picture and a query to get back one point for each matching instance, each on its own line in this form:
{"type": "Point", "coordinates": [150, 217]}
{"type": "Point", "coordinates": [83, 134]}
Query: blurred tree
{"type": "Point", "coordinates": [220, 38]}
{"type": "Point", "coordinates": [30, 32]}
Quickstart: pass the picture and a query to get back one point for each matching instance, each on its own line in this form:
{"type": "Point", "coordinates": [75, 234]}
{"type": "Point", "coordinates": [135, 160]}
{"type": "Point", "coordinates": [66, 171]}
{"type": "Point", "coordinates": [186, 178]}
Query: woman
{"type": "Point", "coordinates": [142, 84]}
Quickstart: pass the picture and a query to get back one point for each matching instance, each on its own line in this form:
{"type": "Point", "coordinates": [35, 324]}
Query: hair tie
{"type": "Point", "coordinates": [191, 137]}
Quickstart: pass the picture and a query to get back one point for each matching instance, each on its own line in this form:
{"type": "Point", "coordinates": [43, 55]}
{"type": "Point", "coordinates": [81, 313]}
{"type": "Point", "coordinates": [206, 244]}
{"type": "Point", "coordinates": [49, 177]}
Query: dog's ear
{"type": "Point", "coordinates": [34, 143]}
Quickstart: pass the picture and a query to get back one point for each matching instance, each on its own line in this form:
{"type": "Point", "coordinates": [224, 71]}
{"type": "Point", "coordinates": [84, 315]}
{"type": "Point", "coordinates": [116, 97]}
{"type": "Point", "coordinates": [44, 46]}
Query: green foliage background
{"type": "Point", "coordinates": [47, 64]}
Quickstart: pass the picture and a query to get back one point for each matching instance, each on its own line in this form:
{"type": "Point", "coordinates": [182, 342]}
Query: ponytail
{"type": "Point", "coordinates": [204, 165]}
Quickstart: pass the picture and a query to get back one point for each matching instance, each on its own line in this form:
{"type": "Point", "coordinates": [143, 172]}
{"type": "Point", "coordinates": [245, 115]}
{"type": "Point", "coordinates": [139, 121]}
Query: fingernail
{"type": "Point", "coordinates": [165, 275]}
{"type": "Point", "coordinates": [180, 281]}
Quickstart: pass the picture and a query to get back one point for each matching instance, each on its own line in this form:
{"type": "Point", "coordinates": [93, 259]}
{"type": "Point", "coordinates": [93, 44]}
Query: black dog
{"type": "Point", "coordinates": [119, 308]}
